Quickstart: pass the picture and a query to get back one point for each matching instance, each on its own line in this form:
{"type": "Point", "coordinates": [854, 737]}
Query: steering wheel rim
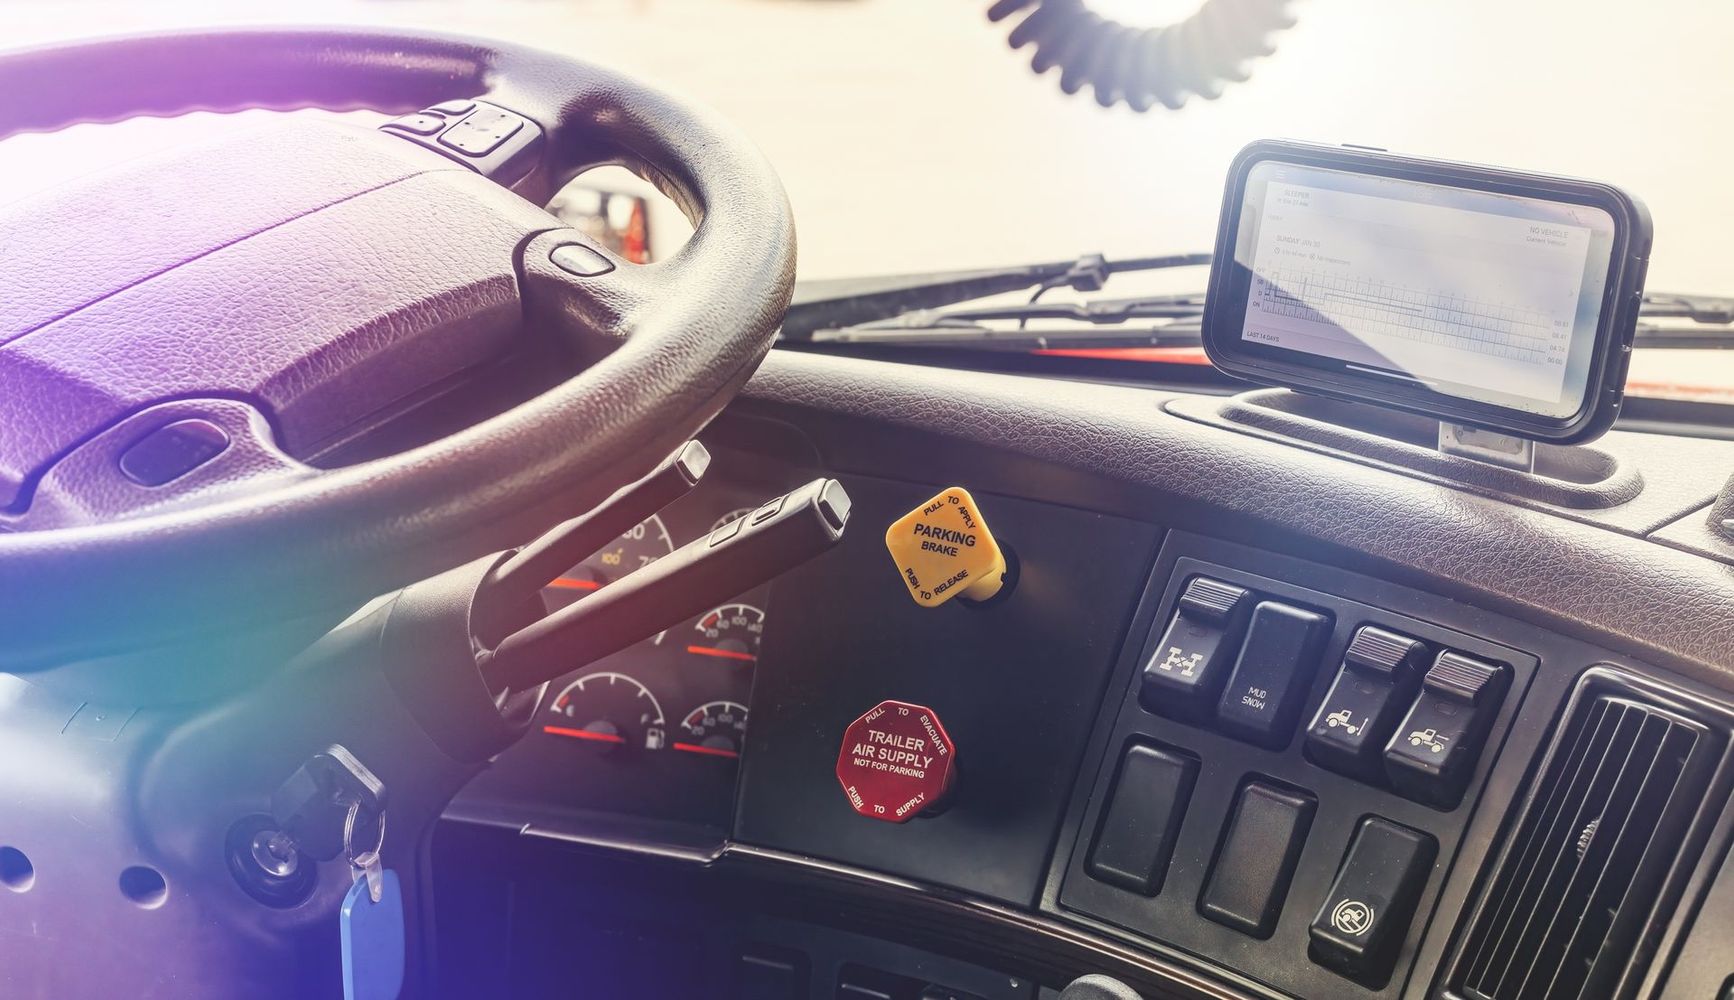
{"type": "Point", "coordinates": [679, 337]}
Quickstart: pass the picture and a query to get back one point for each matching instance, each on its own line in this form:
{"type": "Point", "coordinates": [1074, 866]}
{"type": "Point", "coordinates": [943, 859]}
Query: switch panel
{"type": "Point", "coordinates": [1290, 805]}
{"type": "Point", "coordinates": [1138, 830]}
{"type": "Point", "coordinates": [1433, 752]}
{"type": "Point", "coordinates": [1380, 672]}
{"type": "Point", "coordinates": [1260, 848]}
{"type": "Point", "coordinates": [1263, 697]}
{"type": "Point", "coordinates": [1188, 666]}
{"type": "Point", "coordinates": [1361, 924]}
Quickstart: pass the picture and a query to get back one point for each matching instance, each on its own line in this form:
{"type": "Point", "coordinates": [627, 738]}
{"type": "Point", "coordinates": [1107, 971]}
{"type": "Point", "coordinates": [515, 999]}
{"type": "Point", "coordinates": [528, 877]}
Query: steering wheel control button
{"type": "Point", "coordinates": [726, 531]}
{"type": "Point", "coordinates": [579, 260]}
{"type": "Point", "coordinates": [896, 762]}
{"type": "Point", "coordinates": [1136, 838]}
{"type": "Point", "coordinates": [173, 450]}
{"type": "Point", "coordinates": [1261, 847]}
{"type": "Point", "coordinates": [943, 549]}
{"type": "Point", "coordinates": [766, 512]}
{"type": "Point", "coordinates": [1380, 672]}
{"type": "Point", "coordinates": [1433, 752]}
{"type": "Point", "coordinates": [1262, 699]}
{"type": "Point", "coordinates": [482, 132]}
{"type": "Point", "coordinates": [1188, 665]}
{"type": "Point", "coordinates": [1360, 927]}
{"type": "Point", "coordinates": [417, 124]}
{"type": "Point", "coordinates": [492, 141]}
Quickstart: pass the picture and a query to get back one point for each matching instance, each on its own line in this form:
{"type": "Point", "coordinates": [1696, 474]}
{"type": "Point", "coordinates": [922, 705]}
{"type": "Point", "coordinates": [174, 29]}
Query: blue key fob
{"type": "Point", "coordinates": [372, 940]}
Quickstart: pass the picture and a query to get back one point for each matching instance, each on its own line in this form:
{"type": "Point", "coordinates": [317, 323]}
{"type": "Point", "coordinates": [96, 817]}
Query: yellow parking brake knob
{"type": "Point", "coordinates": [943, 549]}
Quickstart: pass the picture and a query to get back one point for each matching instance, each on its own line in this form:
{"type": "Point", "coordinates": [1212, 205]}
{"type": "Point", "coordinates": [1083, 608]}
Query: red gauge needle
{"type": "Point", "coordinates": [712, 751]}
{"type": "Point", "coordinates": [572, 583]}
{"type": "Point", "coordinates": [584, 734]}
{"type": "Point", "coordinates": [726, 654]}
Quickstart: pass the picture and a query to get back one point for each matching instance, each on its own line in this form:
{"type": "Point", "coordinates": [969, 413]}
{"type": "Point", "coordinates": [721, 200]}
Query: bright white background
{"type": "Point", "coordinates": [910, 138]}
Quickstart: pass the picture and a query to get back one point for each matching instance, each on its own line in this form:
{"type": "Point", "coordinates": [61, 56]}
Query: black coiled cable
{"type": "Point", "coordinates": [1145, 66]}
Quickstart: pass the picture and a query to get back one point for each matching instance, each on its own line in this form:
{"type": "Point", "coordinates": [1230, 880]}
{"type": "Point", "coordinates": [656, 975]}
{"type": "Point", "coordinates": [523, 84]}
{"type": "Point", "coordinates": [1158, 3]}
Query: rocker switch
{"type": "Point", "coordinates": [1433, 752]}
{"type": "Point", "coordinates": [1272, 674]}
{"type": "Point", "coordinates": [1187, 667]}
{"type": "Point", "coordinates": [1380, 672]}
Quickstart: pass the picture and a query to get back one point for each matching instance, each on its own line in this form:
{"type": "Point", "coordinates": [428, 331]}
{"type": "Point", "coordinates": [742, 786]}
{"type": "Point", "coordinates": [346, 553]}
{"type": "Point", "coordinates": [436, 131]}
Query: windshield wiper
{"type": "Point", "coordinates": [1708, 322]}
{"type": "Point", "coordinates": [848, 302]}
{"type": "Point", "coordinates": [1179, 326]}
{"type": "Point", "coordinates": [905, 311]}
{"type": "Point", "coordinates": [1102, 311]}
{"type": "Point", "coordinates": [987, 338]}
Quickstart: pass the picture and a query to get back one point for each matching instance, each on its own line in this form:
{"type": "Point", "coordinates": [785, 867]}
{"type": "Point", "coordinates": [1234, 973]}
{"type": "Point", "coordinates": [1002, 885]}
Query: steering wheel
{"type": "Point", "coordinates": [191, 346]}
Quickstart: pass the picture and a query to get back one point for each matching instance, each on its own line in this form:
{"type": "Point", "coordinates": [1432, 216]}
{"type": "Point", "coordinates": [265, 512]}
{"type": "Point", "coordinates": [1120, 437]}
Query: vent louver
{"type": "Point", "coordinates": [1583, 887]}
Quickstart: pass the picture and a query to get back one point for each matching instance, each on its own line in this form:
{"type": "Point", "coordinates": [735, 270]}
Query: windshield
{"type": "Point", "coordinates": [911, 138]}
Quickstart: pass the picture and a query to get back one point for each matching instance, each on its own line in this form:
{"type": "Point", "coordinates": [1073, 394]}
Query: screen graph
{"type": "Point", "coordinates": [1338, 303]}
{"type": "Point", "coordinates": [1398, 279]}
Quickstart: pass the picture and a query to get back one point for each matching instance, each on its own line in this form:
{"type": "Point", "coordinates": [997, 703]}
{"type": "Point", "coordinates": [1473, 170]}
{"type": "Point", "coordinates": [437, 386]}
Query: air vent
{"type": "Point", "coordinates": [1583, 887]}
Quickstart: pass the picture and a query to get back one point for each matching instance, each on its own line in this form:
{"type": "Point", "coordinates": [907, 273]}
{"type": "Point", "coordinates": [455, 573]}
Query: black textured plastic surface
{"type": "Point", "coordinates": [1261, 845]}
{"type": "Point", "coordinates": [1113, 448]}
{"type": "Point", "coordinates": [1136, 838]}
{"type": "Point", "coordinates": [1017, 685]}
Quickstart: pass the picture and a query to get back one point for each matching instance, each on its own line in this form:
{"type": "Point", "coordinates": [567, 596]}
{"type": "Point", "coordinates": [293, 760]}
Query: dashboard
{"type": "Point", "coordinates": [1259, 719]}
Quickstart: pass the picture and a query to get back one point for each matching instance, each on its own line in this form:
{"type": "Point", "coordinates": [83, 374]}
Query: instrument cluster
{"type": "Point", "coordinates": [654, 731]}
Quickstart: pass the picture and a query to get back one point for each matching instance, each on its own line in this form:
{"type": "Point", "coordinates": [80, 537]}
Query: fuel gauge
{"type": "Point", "coordinates": [608, 710]}
{"type": "Point", "coordinates": [715, 729]}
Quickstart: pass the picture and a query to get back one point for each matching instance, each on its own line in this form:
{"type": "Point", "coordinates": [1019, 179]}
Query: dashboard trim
{"type": "Point", "coordinates": [1113, 449]}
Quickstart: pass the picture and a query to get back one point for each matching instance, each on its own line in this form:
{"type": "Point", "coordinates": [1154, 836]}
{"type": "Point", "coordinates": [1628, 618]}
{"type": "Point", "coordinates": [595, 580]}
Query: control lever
{"type": "Point", "coordinates": [737, 556]}
{"type": "Point", "coordinates": [522, 576]}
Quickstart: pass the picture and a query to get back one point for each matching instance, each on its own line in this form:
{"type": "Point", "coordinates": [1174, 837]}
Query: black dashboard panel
{"type": "Point", "coordinates": [1015, 685]}
{"type": "Point", "coordinates": [1085, 482]}
{"type": "Point", "coordinates": [1176, 914]}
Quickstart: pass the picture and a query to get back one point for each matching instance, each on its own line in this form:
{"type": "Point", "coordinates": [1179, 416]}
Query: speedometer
{"type": "Point", "coordinates": [642, 544]}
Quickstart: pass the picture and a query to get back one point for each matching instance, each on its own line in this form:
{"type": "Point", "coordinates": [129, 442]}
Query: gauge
{"type": "Point", "coordinates": [608, 709]}
{"type": "Point", "coordinates": [642, 544]}
{"type": "Point", "coordinates": [646, 542]}
{"type": "Point", "coordinates": [730, 632]}
{"type": "Point", "coordinates": [733, 515]}
{"type": "Point", "coordinates": [715, 729]}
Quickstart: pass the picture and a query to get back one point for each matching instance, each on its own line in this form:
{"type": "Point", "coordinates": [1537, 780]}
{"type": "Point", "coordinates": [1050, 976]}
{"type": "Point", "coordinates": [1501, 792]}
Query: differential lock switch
{"type": "Point", "coordinates": [1188, 665]}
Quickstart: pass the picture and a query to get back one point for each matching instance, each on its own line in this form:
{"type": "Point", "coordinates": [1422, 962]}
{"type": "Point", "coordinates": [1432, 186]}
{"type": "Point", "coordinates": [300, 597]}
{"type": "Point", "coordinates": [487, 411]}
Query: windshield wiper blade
{"type": "Point", "coordinates": [1711, 309]}
{"type": "Point", "coordinates": [1699, 322]}
{"type": "Point", "coordinates": [975, 336]}
{"type": "Point", "coordinates": [847, 302]}
{"type": "Point", "coordinates": [1104, 312]}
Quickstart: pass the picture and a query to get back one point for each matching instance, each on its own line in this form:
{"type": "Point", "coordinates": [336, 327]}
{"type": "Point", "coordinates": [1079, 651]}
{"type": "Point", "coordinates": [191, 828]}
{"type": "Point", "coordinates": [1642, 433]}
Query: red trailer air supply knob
{"type": "Point", "coordinates": [896, 761]}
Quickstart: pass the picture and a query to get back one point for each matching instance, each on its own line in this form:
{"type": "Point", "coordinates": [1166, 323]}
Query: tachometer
{"type": "Point", "coordinates": [608, 709]}
{"type": "Point", "coordinates": [715, 729]}
{"type": "Point", "coordinates": [731, 632]}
